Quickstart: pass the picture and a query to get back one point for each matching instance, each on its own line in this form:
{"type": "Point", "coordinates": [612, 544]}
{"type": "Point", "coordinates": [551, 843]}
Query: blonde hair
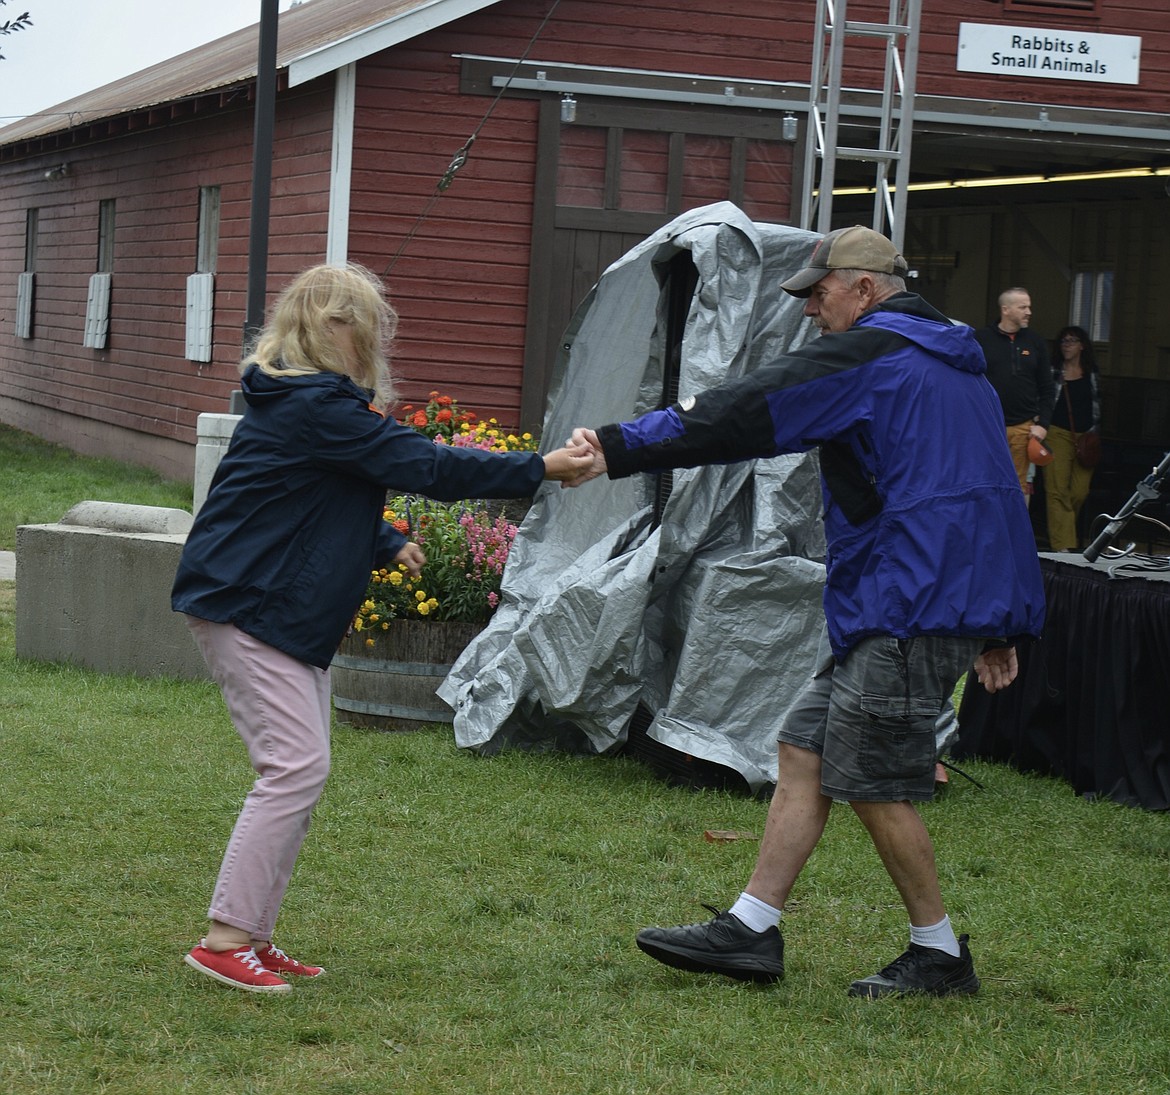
{"type": "Point", "coordinates": [298, 341]}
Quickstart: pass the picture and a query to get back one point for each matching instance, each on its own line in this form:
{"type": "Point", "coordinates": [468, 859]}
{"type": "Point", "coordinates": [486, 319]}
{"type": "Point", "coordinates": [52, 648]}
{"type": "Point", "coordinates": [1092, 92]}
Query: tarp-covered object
{"type": "Point", "coordinates": [711, 617]}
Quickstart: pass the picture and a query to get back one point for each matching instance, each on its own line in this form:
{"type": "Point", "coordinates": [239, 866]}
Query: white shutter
{"type": "Point", "coordinates": [97, 312]}
{"type": "Point", "coordinates": [25, 286]}
{"type": "Point", "coordinates": [200, 292]}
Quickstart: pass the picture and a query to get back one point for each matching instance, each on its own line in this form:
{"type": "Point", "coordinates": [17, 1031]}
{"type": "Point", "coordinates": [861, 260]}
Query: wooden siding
{"type": "Point", "coordinates": [462, 282]}
{"type": "Point", "coordinates": [142, 383]}
{"type": "Point", "coordinates": [1144, 18]}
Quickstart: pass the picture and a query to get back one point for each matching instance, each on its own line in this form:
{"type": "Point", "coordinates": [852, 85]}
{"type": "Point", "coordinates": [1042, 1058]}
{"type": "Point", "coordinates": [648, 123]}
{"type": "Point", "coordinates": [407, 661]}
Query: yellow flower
{"type": "Point", "coordinates": [357, 624]}
{"type": "Point", "coordinates": [369, 642]}
{"type": "Point", "coordinates": [395, 578]}
{"type": "Point", "coordinates": [420, 596]}
{"type": "Point", "coordinates": [423, 608]}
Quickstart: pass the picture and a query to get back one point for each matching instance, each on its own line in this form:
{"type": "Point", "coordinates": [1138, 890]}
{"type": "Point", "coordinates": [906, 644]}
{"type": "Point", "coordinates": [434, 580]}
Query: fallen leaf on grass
{"type": "Point", "coordinates": [725, 836]}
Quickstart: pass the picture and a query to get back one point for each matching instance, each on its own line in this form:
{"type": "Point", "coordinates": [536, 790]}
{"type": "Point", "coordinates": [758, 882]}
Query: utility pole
{"type": "Point", "coordinates": [261, 173]}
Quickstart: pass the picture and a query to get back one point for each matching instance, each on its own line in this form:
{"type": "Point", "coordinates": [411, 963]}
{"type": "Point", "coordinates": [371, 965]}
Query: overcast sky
{"type": "Point", "coordinates": [75, 46]}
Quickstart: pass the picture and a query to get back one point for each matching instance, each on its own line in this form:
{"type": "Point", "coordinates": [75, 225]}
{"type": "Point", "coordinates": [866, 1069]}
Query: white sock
{"type": "Point", "coordinates": [940, 937]}
{"type": "Point", "coordinates": [756, 914]}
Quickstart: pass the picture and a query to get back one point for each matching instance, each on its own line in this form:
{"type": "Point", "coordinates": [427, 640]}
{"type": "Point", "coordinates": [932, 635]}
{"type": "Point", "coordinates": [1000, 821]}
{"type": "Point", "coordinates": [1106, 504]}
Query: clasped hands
{"type": "Point", "coordinates": [580, 459]}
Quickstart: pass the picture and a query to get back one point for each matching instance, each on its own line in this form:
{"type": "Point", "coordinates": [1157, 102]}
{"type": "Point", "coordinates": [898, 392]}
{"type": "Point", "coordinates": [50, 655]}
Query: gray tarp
{"type": "Point", "coordinates": [710, 619]}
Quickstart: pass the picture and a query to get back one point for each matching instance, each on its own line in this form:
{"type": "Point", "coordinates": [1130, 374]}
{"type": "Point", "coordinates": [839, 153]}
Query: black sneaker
{"type": "Point", "coordinates": [922, 971]}
{"type": "Point", "coordinates": [724, 945]}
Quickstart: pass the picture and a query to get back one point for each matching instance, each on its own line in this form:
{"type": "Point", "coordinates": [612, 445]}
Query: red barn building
{"type": "Point", "coordinates": [125, 220]}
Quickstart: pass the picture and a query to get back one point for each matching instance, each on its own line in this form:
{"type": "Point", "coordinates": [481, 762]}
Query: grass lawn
{"type": "Point", "coordinates": [476, 917]}
{"type": "Point", "coordinates": [40, 482]}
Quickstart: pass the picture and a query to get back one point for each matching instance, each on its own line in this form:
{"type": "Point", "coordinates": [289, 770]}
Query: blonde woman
{"type": "Point", "coordinates": [1077, 410]}
{"type": "Point", "coordinates": [276, 565]}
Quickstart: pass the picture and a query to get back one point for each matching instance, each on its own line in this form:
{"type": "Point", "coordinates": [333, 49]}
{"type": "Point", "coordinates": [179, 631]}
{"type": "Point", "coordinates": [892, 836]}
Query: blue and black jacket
{"type": "Point", "coordinates": [926, 525]}
{"type": "Point", "coordinates": [292, 526]}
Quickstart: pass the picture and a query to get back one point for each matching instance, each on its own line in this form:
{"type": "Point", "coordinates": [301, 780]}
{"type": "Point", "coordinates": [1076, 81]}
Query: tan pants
{"type": "Point", "coordinates": [1066, 485]}
{"type": "Point", "coordinates": [1017, 439]}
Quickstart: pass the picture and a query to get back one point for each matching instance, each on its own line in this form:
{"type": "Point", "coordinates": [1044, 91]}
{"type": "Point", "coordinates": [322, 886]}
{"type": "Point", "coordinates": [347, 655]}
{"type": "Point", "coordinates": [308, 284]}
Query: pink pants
{"type": "Point", "coordinates": [280, 707]}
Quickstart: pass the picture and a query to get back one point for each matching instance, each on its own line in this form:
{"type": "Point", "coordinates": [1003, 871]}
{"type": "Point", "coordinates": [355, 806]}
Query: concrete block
{"type": "Point", "coordinates": [123, 517]}
{"type": "Point", "coordinates": [101, 597]}
{"type": "Point", "coordinates": [213, 435]}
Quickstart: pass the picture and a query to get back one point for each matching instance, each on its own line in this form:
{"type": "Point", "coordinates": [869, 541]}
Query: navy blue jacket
{"type": "Point", "coordinates": [926, 525]}
{"type": "Point", "coordinates": [292, 526]}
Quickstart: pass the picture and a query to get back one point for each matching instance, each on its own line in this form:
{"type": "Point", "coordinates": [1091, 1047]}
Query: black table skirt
{"type": "Point", "coordinates": [1092, 701]}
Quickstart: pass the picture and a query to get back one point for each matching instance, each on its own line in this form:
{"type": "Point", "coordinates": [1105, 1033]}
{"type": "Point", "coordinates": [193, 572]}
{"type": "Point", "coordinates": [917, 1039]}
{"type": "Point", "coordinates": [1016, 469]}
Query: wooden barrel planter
{"type": "Point", "coordinates": [391, 684]}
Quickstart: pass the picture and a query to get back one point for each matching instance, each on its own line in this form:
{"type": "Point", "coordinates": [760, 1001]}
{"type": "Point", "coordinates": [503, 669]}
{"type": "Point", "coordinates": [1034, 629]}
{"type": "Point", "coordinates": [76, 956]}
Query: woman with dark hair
{"type": "Point", "coordinates": [1077, 410]}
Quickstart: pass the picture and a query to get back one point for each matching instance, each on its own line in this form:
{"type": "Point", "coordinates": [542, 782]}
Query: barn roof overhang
{"type": "Point", "coordinates": [315, 37]}
{"type": "Point", "coordinates": [412, 20]}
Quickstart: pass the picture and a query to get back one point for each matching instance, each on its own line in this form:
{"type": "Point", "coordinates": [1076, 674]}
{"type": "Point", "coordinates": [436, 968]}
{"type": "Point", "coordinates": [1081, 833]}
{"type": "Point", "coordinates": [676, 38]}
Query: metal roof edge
{"type": "Point", "coordinates": [393, 31]}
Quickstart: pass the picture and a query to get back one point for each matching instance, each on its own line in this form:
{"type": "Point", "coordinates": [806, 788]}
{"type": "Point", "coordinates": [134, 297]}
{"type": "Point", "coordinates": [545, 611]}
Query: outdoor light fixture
{"type": "Point", "coordinates": [1019, 180]}
{"type": "Point", "coordinates": [788, 126]}
{"type": "Point", "coordinates": [568, 109]}
{"type": "Point", "coordinates": [58, 172]}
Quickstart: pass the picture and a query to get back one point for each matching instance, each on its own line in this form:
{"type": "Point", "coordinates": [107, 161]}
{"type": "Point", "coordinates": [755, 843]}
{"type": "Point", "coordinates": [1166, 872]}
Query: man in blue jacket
{"type": "Point", "coordinates": [930, 568]}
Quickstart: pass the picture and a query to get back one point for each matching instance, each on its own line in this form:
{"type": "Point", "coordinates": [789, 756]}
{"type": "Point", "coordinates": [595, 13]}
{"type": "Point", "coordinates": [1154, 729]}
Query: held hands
{"type": "Point", "coordinates": [571, 464]}
{"type": "Point", "coordinates": [411, 556]}
{"type": "Point", "coordinates": [586, 440]}
{"type": "Point", "coordinates": [997, 668]}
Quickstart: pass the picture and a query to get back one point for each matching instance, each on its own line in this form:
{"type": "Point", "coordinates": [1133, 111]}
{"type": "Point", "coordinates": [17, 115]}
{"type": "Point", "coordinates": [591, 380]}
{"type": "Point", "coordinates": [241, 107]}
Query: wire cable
{"type": "Point", "coordinates": [460, 157]}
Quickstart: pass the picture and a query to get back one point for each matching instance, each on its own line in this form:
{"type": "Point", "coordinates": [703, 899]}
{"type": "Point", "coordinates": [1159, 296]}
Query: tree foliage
{"type": "Point", "coordinates": [11, 26]}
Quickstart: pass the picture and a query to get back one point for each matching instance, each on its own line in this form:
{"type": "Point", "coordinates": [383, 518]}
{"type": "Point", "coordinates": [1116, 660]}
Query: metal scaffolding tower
{"type": "Point", "coordinates": [895, 115]}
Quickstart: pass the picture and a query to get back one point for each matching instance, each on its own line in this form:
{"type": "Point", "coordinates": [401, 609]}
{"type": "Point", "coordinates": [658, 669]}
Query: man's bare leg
{"type": "Point", "coordinates": [796, 819]}
{"type": "Point", "coordinates": [902, 842]}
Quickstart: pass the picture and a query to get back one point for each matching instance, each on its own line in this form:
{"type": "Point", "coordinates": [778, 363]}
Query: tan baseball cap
{"type": "Point", "coordinates": [855, 248]}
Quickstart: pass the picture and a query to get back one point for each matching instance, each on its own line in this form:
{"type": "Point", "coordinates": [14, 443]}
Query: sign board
{"type": "Point", "coordinates": [1049, 54]}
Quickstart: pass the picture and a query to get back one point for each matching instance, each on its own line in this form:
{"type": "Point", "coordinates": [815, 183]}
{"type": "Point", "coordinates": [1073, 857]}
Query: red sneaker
{"type": "Point", "coordinates": [239, 968]}
{"type": "Point", "coordinates": [275, 960]}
